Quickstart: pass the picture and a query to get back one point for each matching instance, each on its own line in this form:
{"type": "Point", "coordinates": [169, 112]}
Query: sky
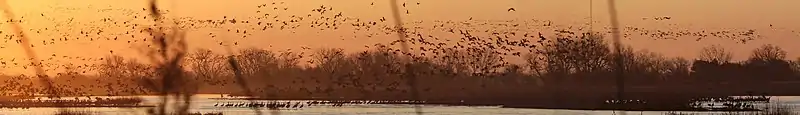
{"type": "Point", "coordinates": [774, 20]}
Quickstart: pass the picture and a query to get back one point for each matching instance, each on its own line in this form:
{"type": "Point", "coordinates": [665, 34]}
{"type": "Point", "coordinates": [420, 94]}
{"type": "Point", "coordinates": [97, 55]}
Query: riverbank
{"type": "Point", "coordinates": [128, 102]}
{"type": "Point", "coordinates": [661, 99]}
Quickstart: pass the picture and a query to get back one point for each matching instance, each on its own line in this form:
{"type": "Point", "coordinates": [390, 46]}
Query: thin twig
{"type": "Point", "coordinates": [612, 10]}
{"type": "Point", "coordinates": [401, 35]}
{"type": "Point", "coordinates": [40, 72]}
{"type": "Point", "coordinates": [241, 81]}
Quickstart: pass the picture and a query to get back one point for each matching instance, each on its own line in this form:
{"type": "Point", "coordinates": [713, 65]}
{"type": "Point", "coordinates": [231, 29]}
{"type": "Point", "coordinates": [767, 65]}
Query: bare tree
{"type": "Point", "coordinates": [119, 76]}
{"type": "Point", "coordinates": [372, 68]}
{"type": "Point", "coordinates": [768, 52]}
{"type": "Point", "coordinates": [536, 65]}
{"type": "Point", "coordinates": [768, 63]}
{"type": "Point", "coordinates": [651, 65]}
{"type": "Point", "coordinates": [377, 63]}
{"type": "Point", "coordinates": [483, 61]}
{"type": "Point", "coordinates": [796, 66]}
{"type": "Point", "coordinates": [112, 72]}
{"type": "Point", "coordinates": [209, 67]}
{"type": "Point", "coordinates": [257, 62]}
{"type": "Point", "coordinates": [289, 59]}
{"type": "Point", "coordinates": [678, 67]}
{"type": "Point", "coordinates": [329, 59]}
{"type": "Point", "coordinates": [473, 60]}
{"type": "Point", "coordinates": [586, 53]}
{"type": "Point", "coordinates": [333, 64]}
{"type": "Point", "coordinates": [139, 71]}
{"type": "Point", "coordinates": [451, 59]}
{"type": "Point", "coordinates": [716, 54]}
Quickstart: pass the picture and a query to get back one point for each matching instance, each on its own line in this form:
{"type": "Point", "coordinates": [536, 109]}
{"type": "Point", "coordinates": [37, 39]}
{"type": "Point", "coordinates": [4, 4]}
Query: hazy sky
{"type": "Point", "coordinates": [693, 15]}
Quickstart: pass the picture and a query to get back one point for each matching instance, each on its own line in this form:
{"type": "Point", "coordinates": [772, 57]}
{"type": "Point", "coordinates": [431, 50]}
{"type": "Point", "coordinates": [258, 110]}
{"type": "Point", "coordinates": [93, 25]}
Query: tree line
{"type": "Point", "coordinates": [583, 62]}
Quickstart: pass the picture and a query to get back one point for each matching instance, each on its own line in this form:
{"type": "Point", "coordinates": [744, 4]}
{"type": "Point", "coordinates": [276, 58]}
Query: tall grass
{"type": "Point", "coordinates": [171, 81]}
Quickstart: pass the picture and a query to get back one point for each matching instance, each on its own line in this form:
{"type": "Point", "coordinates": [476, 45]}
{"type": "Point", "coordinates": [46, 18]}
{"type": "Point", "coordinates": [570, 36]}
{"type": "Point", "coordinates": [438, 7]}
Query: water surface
{"type": "Point", "coordinates": [202, 103]}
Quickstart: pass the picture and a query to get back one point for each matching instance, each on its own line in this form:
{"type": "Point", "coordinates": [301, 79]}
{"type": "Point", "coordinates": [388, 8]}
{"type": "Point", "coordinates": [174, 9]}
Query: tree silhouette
{"type": "Point", "coordinates": [583, 57]}
{"type": "Point", "coordinates": [209, 67]}
{"type": "Point", "coordinates": [334, 67]}
{"type": "Point", "coordinates": [257, 62]}
{"type": "Point", "coordinates": [767, 63]}
{"type": "Point", "coordinates": [768, 52]}
{"type": "Point", "coordinates": [678, 70]}
{"type": "Point", "coordinates": [796, 67]}
{"type": "Point", "coordinates": [329, 59]}
{"type": "Point", "coordinates": [536, 65]}
{"type": "Point", "coordinates": [289, 60]}
{"type": "Point", "coordinates": [454, 60]}
{"type": "Point", "coordinates": [644, 67]}
{"type": "Point", "coordinates": [715, 54]}
{"type": "Point", "coordinates": [375, 67]}
{"type": "Point", "coordinates": [120, 76]}
{"type": "Point", "coordinates": [482, 61]}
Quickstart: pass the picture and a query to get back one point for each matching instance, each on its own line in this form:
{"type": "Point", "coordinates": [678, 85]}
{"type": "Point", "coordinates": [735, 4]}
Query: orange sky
{"type": "Point", "coordinates": [686, 14]}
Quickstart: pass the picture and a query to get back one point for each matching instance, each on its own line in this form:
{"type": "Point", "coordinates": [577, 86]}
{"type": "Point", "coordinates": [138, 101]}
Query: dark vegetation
{"type": "Point", "coordinates": [574, 71]}
{"type": "Point", "coordinates": [567, 70]}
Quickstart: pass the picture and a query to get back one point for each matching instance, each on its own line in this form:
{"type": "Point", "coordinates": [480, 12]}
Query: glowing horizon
{"type": "Point", "coordinates": [772, 19]}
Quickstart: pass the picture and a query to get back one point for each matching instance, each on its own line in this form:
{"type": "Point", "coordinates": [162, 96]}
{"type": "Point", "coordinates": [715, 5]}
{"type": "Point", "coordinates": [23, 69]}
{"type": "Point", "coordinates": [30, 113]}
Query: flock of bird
{"type": "Point", "coordinates": [501, 36]}
{"type": "Point", "coordinates": [300, 105]}
{"type": "Point", "coordinates": [491, 40]}
{"type": "Point", "coordinates": [96, 102]}
{"type": "Point", "coordinates": [270, 105]}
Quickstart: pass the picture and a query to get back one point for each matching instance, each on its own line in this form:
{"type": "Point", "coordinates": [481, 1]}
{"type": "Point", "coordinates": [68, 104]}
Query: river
{"type": "Point", "coordinates": [202, 103]}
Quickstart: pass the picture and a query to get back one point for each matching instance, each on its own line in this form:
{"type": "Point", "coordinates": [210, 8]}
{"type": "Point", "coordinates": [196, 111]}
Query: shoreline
{"type": "Point", "coordinates": [78, 106]}
{"type": "Point", "coordinates": [662, 102]}
{"type": "Point", "coordinates": [524, 105]}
